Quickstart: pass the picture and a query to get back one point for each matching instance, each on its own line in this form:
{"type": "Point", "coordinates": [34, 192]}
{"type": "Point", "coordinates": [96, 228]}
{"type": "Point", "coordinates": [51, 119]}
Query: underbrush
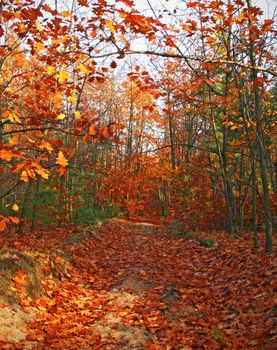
{"type": "Point", "coordinates": [175, 229]}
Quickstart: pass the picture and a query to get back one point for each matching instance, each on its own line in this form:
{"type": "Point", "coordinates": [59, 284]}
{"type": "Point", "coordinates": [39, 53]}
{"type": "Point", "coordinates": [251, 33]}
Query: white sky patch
{"type": "Point", "coordinates": [268, 6]}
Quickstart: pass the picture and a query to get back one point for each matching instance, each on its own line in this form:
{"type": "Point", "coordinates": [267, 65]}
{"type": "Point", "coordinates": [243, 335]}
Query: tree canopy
{"type": "Point", "coordinates": [167, 112]}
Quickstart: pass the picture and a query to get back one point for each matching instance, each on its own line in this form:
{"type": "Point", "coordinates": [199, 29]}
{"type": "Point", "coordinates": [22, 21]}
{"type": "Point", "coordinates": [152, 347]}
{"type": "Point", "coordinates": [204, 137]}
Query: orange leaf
{"type": "Point", "coordinates": [259, 81]}
{"type": "Point", "coordinates": [61, 171]}
{"type": "Point", "coordinates": [118, 126]}
{"type": "Point", "coordinates": [105, 132]}
{"type": "Point", "coordinates": [202, 283]}
{"type": "Point", "coordinates": [14, 220]}
{"type": "Point", "coordinates": [20, 272]}
{"type": "Point", "coordinates": [3, 224]}
{"type": "Point", "coordinates": [6, 154]}
{"type": "Point", "coordinates": [92, 130]}
{"type": "Point", "coordinates": [46, 145]}
{"type": "Point", "coordinates": [61, 160]}
{"type": "Point", "coordinates": [83, 3]}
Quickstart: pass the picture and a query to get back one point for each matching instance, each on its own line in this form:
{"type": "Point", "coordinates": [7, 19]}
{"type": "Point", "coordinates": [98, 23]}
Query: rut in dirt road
{"type": "Point", "coordinates": [137, 287]}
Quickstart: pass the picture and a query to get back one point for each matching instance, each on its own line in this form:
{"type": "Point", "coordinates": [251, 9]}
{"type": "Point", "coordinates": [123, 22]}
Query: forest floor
{"type": "Point", "coordinates": [135, 285]}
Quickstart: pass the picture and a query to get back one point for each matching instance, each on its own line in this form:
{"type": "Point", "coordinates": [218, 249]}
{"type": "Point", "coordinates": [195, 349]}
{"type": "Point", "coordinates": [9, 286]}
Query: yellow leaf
{"type": "Point", "coordinates": [40, 46]}
{"type": "Point", "coordinates": [77, 115]}
{"type": "Point", "coordinates": [42, 172]}
{"type": "Point", "coordinates": [15, 207]}
{"type": "Point", "coordinates": [63, 76]}
{"type": "Point", "coordinates": [24, 176]}
{"type": "Point", "coordinates": [61, 160]}
{"type": "Point", "coordinates": [111, 27]}
{"type": "Point", "coordinates": [74, 91]}
{"type": "Point", "coordinates": [31, 141]}
{"type": "Point", "coordinates": [83, 68]}
{"type": "Point", "coordinates": [61, 116]}
{"type": "Point", "coordinates": [73, 99]}
{"type": "Point", "coordinates": [14, 118]}
{"type": "Point", "coordinates": [51, 70]}
{"type": "Point", "coordinates": [39, 26]}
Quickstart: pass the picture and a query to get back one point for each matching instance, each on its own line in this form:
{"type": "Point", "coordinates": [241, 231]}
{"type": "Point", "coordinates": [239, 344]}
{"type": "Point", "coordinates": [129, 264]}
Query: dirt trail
{"type": "Point", "coordinates": [135, 288]}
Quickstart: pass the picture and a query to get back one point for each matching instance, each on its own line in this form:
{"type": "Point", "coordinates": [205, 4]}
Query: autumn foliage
{"type": "Point", "coordinates": [143, 138]}
{"type": "Point", "coordinates": [165, 114]}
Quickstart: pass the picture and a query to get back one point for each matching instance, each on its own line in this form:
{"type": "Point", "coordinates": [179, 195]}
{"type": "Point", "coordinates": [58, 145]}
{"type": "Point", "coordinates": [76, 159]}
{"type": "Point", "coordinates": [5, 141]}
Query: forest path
{"type": "Point", "coordinates": [134, 287]}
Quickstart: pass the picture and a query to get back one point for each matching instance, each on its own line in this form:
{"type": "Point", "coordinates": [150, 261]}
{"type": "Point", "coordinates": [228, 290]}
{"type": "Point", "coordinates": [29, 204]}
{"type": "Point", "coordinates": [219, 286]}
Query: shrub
{"type": "Point", "coordinates": [206, 242]}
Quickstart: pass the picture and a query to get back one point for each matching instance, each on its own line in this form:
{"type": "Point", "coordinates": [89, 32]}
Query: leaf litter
{"type": "Point", "coordinates": [136, 288]}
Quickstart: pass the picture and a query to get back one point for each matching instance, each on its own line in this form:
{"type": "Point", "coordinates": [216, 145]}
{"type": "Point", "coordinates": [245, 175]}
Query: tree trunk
{"type": "Point", "coordinates": [261, 144]}
{"type": "Point", "coordinates": [35, 205]}
{"type": "Point", "coordinates": [20, 228]}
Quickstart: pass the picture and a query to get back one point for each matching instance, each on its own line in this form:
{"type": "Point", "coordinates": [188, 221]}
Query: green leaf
{"type": "Point", "coordinates": [217, 335]}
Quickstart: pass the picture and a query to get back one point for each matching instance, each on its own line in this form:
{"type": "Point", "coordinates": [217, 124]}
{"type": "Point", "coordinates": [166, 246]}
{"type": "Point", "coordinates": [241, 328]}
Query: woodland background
{"type": "Point", "coordinates": [106, 110]}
